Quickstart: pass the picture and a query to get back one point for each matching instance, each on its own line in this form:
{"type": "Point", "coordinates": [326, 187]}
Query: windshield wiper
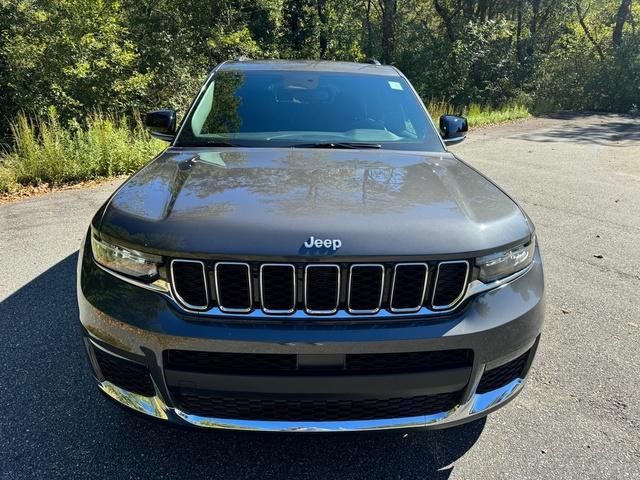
{"type": "Point", "coordinates": [338, 145]}
{"type": "Point", "coordinates": [217, 143]}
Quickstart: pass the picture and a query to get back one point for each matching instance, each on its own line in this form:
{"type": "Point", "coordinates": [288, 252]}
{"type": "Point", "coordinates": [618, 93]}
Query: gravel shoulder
{"type": "Point", "coordinates": [577, 176]}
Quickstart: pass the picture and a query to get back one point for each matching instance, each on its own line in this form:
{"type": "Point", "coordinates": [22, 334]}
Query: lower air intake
{"type": "Point", "coordinates": [130, 376]}
{"type": "Point", "coordinates": [209, 405]}
{"type": "Point", "coordinates": [502, 375]}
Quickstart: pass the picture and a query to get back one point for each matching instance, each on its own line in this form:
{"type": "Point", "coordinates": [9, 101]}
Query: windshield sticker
{"type": "Point", "coordinates": [395, 85]}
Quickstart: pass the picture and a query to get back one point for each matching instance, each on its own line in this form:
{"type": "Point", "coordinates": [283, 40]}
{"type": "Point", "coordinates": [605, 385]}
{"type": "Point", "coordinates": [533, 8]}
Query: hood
{"type": "Point", "coordinates": [269, 202]}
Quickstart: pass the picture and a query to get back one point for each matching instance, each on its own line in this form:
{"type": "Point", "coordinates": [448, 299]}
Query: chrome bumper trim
{"type": "Point", "coordinates": [477, 406]}
{"type": "Point", "coordinates": [153, 406]}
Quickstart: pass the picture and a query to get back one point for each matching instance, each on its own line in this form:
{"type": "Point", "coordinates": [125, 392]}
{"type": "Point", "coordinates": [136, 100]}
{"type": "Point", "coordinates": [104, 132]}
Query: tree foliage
{"type": "Point", "coordinates": [80, 56]}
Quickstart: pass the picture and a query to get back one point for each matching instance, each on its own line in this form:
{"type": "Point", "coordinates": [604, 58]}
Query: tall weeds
{"type": "Point", "coordinates": [44, 151]}
{"type": "Point", "coordinates": [478, 115]}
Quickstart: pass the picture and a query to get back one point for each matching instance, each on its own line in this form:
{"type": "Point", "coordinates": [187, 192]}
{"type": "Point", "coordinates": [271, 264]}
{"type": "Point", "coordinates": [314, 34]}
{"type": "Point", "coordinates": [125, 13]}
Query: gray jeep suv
{"type": "Point", "coordinates": [307, 255]}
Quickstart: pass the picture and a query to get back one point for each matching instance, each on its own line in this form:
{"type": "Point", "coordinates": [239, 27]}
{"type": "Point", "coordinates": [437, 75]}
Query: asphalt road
{"type": "Point", "coordinates": [579, 417]}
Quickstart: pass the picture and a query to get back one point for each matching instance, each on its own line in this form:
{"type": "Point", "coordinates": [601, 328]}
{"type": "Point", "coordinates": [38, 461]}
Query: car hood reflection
{"type": "Point", "coordinates": [259, 201]}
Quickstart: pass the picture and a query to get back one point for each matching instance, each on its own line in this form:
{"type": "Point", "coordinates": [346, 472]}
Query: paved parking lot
{"type": "Point", "coordinates": [578, 177]}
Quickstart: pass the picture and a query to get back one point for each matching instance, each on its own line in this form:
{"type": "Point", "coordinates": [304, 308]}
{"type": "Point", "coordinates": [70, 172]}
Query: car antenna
{"type": "Point", "coordinates": [373, 61]}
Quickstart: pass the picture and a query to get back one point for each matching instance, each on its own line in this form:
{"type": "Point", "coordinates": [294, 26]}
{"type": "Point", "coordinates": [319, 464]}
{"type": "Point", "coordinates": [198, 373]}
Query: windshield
{"type": "Point", "coordinates": [306, 109]}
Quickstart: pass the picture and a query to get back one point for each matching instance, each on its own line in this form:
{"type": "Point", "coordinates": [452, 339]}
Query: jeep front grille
{"type": "Point", "coordinates": [409, 286]}
{"type": "Point", "coordinates": [451, 277]}
{"type": "Point", "coordinates": [278, 288]}
{"type": "Point", "coordinates": [319, 289]}
{"type": "Point", "coordinates": [366, 284]}
{"type": "Point", "coordinates": [233, 287]}
{"type": "Point", "coordinates": [189, 281]}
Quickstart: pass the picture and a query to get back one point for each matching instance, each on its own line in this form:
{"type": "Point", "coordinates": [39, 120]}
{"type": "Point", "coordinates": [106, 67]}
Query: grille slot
{"type": "Point", "coordinates": [502, 375]}
{"type": "Point", "coordinates": [286, 364]}
{"type": "Point", "coordinates": [223, 362]}
{"type": "Point", "coordinates": [278, 288]}
{"type": "Point", "coordinates": [366, 282]}
{"type": "Point", "coordinates": [210, 405]}
{"type": "Point", "coordinates": [450, 284]}
{"type": "Point", "coordinates": [322, 289]}
{"type": "Point", "coordinates": [125, 374]}
{"type": "Point", "coordinates": [189, 282]}
{"type": "Point", "coordinates": [233, 287]}
{"type": "Point", "coordinates": [409, 286]}
{"type": "Point", "coordinates": [408, 361]}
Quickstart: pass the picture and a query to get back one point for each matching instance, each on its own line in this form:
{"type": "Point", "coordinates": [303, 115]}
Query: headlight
{"type": "Point", "coordinates": [502, 264]}
{"type": "Point", "coordinates": [125, 261]}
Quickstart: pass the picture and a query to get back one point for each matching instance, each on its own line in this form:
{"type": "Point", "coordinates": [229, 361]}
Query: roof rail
{"type": "Point", "coordinates": [373, 61]}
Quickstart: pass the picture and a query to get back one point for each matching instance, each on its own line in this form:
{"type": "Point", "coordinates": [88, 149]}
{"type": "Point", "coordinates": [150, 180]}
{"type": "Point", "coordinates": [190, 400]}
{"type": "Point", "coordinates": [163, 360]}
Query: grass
{"type": "Point", "coordinates": [478, 115]}
{"type": "Point", "coordinates": [46, 152]}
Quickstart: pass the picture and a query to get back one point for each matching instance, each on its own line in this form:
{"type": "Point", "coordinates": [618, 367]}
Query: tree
{"type": "Point", "coordinates": [82, 55]}
{"type": "Point", "coordinates": [389, 10]}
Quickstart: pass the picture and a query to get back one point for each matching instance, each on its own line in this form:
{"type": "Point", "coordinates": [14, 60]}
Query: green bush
{"type": "Point", "coordinates": [46, 152]}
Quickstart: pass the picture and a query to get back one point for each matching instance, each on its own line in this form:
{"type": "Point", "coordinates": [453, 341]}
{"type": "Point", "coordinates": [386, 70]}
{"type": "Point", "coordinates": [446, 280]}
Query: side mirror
{"type": "Point", "coordinates": [161, 124]}
{"type": "Point", "coordinates": [453, 129]}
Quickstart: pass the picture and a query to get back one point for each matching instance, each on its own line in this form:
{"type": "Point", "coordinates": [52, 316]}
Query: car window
{"type": "Point", "coordinates": [282, 108]}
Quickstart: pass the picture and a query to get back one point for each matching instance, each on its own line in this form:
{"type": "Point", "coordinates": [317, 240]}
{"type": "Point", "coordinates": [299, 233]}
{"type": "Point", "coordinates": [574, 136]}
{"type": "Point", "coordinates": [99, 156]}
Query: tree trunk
{"type": "Point", "coordinates": [468, 8]}
{"type": "Point", "coordinates": [535, 12]}
{"type": "Point", "coordinates": [369, 31]}
{"type": "Point", "coordinates": [388, 30]}
{"type": "Point", "coordinates": [519, 52]}
{"type": "Point", "coordinates": [483, 9]}
{"type": "Point", "coordinates": [586, 31]}
{"type": "Point", "coordinates": [322, 16]}
{"type": "Point", "coordinates": [446, 19]}
{"type": "Point", "coordinates": [621, 17]}
{"type": "Point", "coordinates": [293, 16]}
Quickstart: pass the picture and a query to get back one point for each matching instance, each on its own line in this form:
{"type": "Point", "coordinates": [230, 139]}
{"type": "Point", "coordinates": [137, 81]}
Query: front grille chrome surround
{"type": "Point", "coordinates": [174, 290]}
{"type": "Point", "coordinates": [391, 290]}
{"type": "Point", "coordinates": [250, 289]}
{"type": "Point", "coordinates": [350, 289]}
{"type": "Point", "coordinates": [262, 288]}
{"type": "Point", "coordinates": [393, 287]}
{"type": "Point", "coordinates": [306, 289]}
{"type": "Point", "coordinates": [463, 289]}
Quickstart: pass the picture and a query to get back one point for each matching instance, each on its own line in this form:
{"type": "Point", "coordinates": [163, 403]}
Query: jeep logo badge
{"type": "Point", "coordinates": [335, 243]}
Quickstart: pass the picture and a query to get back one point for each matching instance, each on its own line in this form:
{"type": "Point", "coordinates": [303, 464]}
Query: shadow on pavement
{"type": "Point", "coordinates": [593, 129]}
{"type": "Point", "coordinates": [56, 424]}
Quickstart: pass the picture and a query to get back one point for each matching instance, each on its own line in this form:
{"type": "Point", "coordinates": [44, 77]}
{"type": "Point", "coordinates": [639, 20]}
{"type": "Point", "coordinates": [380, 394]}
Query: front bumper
{"type": "Point", "coordinates": [477, 406]}
{"type": "Point", "coordinates": [140, 326]}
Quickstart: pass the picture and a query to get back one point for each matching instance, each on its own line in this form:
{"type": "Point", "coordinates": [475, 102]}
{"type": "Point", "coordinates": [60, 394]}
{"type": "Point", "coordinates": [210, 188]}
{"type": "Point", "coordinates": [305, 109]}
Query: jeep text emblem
{"type": "Point", "coordinates": [319, 243]}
